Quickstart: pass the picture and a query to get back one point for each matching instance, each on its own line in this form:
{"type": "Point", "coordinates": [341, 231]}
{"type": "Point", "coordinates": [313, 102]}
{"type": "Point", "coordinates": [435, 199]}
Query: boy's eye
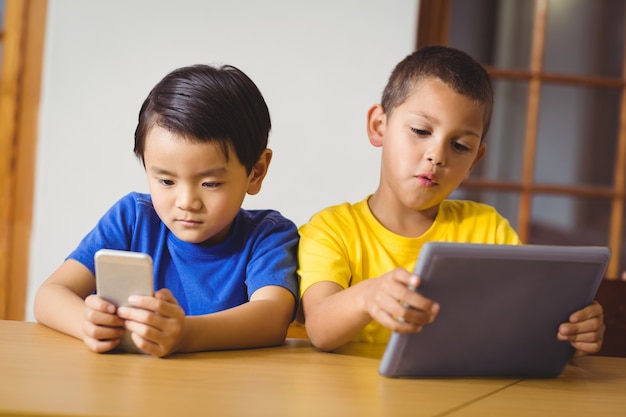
{"type": "Point", "coordinates": [210, 184]}
{"type": "Point", "coordinates": [166, 182]}
{"type": "Point", "coordinates": [420, 132]}
{"type": "Point", "coordinates": [460, 147]}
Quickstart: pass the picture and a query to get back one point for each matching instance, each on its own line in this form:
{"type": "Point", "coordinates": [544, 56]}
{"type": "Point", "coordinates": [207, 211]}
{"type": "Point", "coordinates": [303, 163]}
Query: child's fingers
{"type": "Point", "coordinates": [593, 326]}
{"type": "Point", "coordinates": [154, 333]}
{"type": "Point", "coordinates": [412, 300]}
{"type": "Point", "coordinates": [96, 303]}
{"type": "Point", "coordinates": [403, 290]}
{"type": "Point", "coordinates": [402, 315]}
{"type": "Point", "coordinates": [100, 332]}
{"type": "Point", "coordinates": [162, 303]}
{"type": "Point", "coordinates": [586, 348]}
{"type": "Point", "coordinates": [100, 346]}
{"type": "Point", "coordinates": [594, 310]}
{"type": "Point", "coordinates": [165, 295]}
{"type": "Point", "coordinates": [101, 313]}
{"type": "Point", "coordinates": [98, 318]}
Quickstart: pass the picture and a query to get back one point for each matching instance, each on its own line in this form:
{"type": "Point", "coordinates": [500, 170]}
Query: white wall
{"type": "Point", "coordinates": [319, 64]}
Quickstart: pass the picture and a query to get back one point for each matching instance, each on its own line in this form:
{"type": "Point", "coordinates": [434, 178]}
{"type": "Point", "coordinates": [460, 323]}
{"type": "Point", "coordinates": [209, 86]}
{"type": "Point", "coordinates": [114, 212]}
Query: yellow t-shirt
{"type": "Point", "coordinates": [346, 244]}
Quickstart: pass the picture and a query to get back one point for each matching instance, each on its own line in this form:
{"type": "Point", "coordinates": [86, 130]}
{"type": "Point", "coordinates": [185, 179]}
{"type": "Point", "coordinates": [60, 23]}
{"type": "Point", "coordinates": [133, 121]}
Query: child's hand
{"type": "Point", "coordinates": [156, 323]}
{"type": "Point", "coordinates": [397, 306]}
{"type": "Point", "coordinates": [102, 329]}
{"type": "Point", "coordinates": [585, 330]}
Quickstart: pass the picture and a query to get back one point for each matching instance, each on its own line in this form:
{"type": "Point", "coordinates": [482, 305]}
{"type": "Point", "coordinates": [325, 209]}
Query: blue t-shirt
{"type": "Point", "coordinates": [260, 250]}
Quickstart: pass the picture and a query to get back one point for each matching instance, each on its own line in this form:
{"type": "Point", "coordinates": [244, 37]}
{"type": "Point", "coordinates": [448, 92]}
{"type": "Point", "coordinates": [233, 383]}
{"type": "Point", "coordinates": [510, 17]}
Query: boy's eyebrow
{"type": "Point", "coordinates": [472, 133]}
{"type": "Point", "coordinates": [208, 173]}
{"type": "Point", "coordinates": [434, 119]}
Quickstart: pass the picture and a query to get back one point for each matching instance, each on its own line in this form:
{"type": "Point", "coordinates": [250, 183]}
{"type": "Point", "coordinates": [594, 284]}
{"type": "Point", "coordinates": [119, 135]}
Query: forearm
{"type": "Point", "coordinates": [60, 301]}
{"type": "Point", "coordinates": [258, 323]}
{"type": "Point", "coordinates": [337, 318]}
{"type": "Point", "coordinates": [61, 309]}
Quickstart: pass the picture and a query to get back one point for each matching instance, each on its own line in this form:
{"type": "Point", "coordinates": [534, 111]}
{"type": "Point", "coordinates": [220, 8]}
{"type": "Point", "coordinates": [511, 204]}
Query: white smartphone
{"type": "Point", "coordinates": [120, 274]}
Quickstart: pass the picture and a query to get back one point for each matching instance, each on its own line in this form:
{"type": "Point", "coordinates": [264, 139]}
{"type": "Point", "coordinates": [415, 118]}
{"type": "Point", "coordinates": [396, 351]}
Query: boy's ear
{"type": "Point", "coordinates": [259, 171]}
{"type": "Point", "coordinates": [376, 123]}
{"type": "Point", "coordinates": [479, 156]}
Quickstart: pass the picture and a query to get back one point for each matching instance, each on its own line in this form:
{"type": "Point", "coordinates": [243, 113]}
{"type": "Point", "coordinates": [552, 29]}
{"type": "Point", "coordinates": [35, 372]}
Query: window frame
{"type": "Point", "coordinates": [433, 28]}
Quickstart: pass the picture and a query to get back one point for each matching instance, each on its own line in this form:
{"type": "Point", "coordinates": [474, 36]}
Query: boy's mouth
{"type": "Point", "coordinates": [188, 222]}
{"type": "Point", "coordinates": [428, 179]}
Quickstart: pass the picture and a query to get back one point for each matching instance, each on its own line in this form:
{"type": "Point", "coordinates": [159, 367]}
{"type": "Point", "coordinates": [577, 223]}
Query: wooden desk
{"type": "Point", "coordinates": [593, 386]}
{"type": "Point", "coordinates": [43, 372]}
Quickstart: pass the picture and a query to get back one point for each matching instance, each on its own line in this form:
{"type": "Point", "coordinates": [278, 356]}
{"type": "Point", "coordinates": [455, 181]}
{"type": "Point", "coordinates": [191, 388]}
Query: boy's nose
{"type": "Point", "coordinates": [436, 156]}
{"type": "Point", "coordinates": [187, 200]}
{"type": "Point", "coordinates": [435, 160]}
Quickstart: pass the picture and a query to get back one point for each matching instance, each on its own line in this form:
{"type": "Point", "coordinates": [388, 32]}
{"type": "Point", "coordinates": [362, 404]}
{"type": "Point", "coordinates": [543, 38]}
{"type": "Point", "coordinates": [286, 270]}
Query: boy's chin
{"type": "Point", "coordinates": [203, 239]}
{"type": "Point", "coordinates": [192, 237]}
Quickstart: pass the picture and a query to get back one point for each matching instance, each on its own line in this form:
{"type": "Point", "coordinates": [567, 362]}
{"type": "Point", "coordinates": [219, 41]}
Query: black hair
{"type": "Point", "coordinates": [202, 103]}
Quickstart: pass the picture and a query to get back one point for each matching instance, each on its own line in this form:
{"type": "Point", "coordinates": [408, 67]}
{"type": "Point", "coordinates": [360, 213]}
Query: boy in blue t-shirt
{"type": "Point", "coordinates": [225, 277]}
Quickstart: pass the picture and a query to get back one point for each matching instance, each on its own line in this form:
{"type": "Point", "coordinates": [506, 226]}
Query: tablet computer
{"type": "Point", "coordinates": [500, 309]}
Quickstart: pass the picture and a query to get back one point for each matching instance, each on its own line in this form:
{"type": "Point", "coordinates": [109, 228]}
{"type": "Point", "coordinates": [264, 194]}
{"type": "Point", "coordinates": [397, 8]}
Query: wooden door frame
{"type": "Point", "coordinates": [433, 21]}
{"type": "Point", "coordinates": [20, 85]}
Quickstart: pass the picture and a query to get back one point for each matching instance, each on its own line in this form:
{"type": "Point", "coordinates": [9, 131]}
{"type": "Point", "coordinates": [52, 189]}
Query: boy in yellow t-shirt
{"type": "Point", "coordinates": [355, 259]}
